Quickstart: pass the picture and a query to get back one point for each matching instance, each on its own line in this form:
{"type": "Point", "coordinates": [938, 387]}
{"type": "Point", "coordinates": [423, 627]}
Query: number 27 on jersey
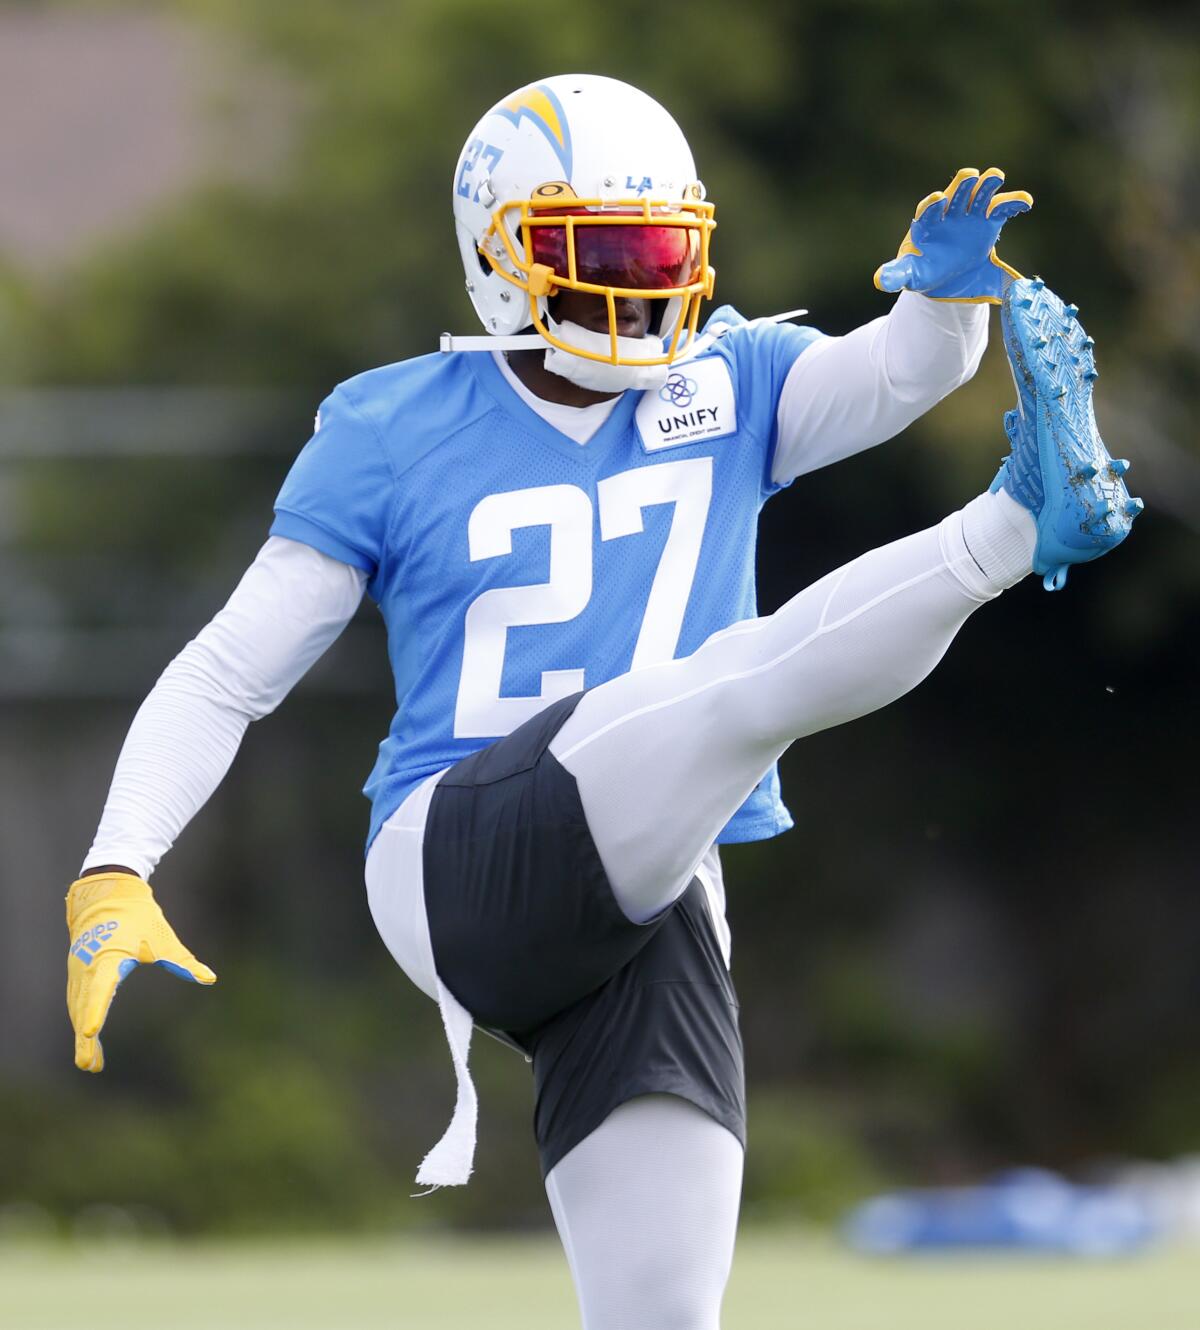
{"type": "Point", "coordinates": [481, 712]}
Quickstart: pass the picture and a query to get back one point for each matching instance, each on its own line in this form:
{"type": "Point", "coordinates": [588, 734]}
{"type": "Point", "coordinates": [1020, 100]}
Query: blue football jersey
{"type": "Point", "coordinates": [514, 566]}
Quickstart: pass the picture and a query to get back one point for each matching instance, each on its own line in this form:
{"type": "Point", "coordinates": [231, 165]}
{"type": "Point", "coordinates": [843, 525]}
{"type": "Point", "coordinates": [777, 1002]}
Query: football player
{"type": "Point", "coordinates": [557, 521]}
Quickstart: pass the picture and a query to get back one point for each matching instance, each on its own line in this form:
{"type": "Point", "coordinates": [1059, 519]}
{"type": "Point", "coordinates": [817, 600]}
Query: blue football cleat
{"type": "Point", "coordinates": [1059, 467]}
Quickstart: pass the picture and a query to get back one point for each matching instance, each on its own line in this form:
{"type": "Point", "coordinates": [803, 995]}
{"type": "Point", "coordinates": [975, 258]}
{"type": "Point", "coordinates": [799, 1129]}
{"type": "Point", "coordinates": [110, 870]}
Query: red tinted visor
{"type": "Point", "coordinates": [643, 258]}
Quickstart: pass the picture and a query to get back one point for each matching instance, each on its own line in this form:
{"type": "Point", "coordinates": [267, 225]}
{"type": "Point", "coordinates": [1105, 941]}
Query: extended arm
{"type": "Point", "coordinates": [287, 609]}
{"type": "Point", "coordinates": [846, 394]}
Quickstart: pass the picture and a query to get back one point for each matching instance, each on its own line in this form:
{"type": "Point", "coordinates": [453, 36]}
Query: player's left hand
{"type": "Point", "coordinates": [115, 925]}
{"type": "Point", "coordinates": [949, 252]}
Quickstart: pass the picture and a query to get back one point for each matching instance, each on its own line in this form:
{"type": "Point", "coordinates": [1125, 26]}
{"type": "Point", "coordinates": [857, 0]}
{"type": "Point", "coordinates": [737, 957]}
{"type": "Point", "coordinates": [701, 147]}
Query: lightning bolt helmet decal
{"type": "Point", "coordinates": [539, 104]}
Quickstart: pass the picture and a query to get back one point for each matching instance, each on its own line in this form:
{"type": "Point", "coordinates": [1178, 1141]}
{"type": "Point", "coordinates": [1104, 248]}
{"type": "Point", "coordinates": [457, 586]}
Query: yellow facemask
{"type": "Point", "coordinates": [642, 249]}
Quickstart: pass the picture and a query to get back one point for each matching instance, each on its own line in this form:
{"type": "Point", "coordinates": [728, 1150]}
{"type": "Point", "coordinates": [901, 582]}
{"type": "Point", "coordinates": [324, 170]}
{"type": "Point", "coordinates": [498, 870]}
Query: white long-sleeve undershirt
{"type": "Point", "coordinates": [288, 608]}
{"type": "Point", "coordinates": [846, 394]}
{"type": "Point", "coordinates": [843, 394]}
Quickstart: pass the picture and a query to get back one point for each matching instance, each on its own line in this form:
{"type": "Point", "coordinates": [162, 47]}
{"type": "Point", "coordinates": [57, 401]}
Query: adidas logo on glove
{"type": "Point", "coordinates": [87, 944]}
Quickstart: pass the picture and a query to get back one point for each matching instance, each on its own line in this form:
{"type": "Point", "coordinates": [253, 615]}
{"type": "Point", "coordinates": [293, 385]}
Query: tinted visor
{"type": "Point", "coordinates": [645, 258]}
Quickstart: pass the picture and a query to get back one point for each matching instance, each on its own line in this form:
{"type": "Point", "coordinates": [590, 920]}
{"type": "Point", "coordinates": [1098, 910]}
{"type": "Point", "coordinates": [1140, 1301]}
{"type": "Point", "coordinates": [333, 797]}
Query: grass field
{"type": "Point", "coordinates": [781, 1279]}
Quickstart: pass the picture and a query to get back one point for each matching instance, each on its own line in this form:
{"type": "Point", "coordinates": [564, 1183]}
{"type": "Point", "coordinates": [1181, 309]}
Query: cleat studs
{"type": "Point", "coordinates": [1070, 310]}
{"type": "Point", "coordinates": [1087, 471]}
{"type": "Point", "coordinates": [1038, 283]}
{"type": "Point", "coordinates": [1091, 374]}
{"type": "Point", "coordinates": [1025, 302]}
{"type": "Point", "coordinates": [1039, 342]}
{"type": "Point", "coordinates": [1103, 508]}
{"type": "Point", "coordinates": [1089, 342]}
{"type": "Point", "coordinates": [1119, 465]}
{"type": "Point", "coordinates": [1133, 507]}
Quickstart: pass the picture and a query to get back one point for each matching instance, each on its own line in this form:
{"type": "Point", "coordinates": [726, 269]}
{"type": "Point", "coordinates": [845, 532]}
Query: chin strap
{"type": "Point", "coordinates": [597, 374]}
{"type": "Point", "coordinates": [518, 342]}
{"type": "Point", "coordinates": [602, 375]}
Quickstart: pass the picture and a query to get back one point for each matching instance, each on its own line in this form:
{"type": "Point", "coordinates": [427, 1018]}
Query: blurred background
{"type": "Point", "coordinates": [978, 948]}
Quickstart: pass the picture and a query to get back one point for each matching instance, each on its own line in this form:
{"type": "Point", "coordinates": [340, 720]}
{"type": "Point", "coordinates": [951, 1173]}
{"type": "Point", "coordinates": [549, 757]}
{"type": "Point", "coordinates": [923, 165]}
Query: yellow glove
{"type": "Point", "coordinates": [115, 926]}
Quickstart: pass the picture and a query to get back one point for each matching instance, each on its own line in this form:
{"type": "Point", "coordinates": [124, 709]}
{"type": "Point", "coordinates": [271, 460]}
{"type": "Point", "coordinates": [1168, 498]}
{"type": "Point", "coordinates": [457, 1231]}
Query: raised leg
{"type": "Point", "coordinates": [664, 756]}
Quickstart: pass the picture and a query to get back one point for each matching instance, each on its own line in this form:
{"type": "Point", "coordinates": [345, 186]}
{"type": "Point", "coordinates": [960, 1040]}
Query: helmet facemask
{"type": "Point", "coordinates": [642, 249]}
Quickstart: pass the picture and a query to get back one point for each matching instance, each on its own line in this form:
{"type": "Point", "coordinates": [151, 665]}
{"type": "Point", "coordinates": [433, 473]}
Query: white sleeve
{"type": "Point", "coordinates": [848, 393]}
{"type": "Point", "coordinates": [291, 604]}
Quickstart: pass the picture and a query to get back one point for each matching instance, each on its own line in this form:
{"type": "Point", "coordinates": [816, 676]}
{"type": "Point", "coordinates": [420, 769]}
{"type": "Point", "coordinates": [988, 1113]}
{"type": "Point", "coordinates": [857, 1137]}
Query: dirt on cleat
{"type": "Point", "coordinates": [1059, 467]}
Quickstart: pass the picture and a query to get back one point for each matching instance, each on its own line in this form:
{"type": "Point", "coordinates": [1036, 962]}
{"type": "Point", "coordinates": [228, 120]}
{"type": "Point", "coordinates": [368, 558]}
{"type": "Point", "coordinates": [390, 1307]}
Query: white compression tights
{"type": "Point", "coordinates": [647, 1208]}
{"type": "Point", "coordinates": [716, 720]}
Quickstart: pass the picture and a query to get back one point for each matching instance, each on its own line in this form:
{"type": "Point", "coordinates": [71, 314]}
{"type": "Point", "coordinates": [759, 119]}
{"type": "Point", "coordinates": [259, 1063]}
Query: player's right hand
{"type": "Point", "coordinates": [115, 925]}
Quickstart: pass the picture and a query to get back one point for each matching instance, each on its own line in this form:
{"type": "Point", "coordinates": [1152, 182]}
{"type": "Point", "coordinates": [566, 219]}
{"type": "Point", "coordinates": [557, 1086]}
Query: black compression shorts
{"type": "Point", "coordinates": [528, 936]}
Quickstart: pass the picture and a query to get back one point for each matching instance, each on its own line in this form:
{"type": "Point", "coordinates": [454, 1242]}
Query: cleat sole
{"type": "Point", "coordinates": [1059, 467]}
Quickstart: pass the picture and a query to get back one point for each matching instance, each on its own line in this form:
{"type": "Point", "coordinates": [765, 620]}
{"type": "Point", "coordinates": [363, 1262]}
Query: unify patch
{"type": "Point", "coordinates": [695, 403]}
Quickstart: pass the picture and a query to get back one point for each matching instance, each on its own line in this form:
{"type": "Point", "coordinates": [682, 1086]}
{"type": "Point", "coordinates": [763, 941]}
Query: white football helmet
{"type": "Point", "coordinates": [583, 183]}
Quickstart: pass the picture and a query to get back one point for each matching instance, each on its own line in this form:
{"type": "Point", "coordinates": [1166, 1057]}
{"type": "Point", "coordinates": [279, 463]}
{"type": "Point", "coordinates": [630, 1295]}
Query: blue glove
{"type": "Point", "coordinates": [949, 252]}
